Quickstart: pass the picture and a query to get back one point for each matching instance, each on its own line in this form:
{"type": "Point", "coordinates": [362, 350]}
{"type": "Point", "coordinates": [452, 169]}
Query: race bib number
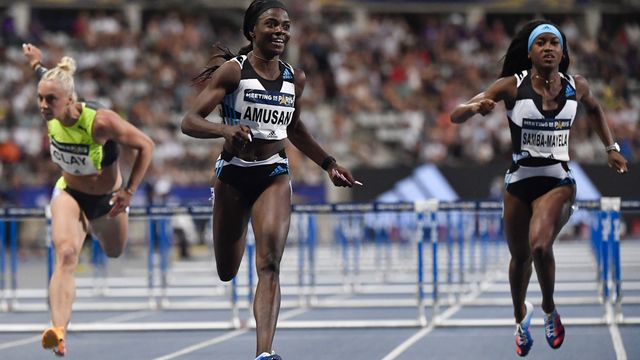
{"type": "Point", "coordinates": [72, 158]}
{"type": "Point", "coordinates": [547, 138]}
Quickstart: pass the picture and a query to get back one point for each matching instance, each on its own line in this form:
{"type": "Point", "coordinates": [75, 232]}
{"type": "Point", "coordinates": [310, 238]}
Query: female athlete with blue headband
{"type": "Point", "coordinates": [259, 101]}
{"type": "Point", "coordinates": [541, 101]}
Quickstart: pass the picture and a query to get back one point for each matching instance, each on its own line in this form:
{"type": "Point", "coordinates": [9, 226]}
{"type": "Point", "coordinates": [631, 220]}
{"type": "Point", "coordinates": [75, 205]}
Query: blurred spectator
{"type": "Point", "coordinates": [378, 89]}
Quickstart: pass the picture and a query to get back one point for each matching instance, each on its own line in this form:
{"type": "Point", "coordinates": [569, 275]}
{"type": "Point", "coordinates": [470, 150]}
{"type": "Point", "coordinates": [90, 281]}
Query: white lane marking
{"type": "Point", "coordinates": [424, 332]}
{"type": "Point", "coordinates": [222, 338]}
{"type": "Point", "coordinates": [36, 338]}
{"type": "Point", "coordinates": [20, 342]}
{"type": "Point", "coordinates": [618, 345]}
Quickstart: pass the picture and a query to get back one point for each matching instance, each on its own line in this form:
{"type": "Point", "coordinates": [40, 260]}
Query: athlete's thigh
{"type": "Point", "coordinates": [68, 224]}
{"type": "Point", "coordinates": [111, 232]}
{"type": "Point", "coordinates": [231, 215]}
{"type": "Point", "coordinates": [552, 210]}
{"type": "Point", "coordinates": [271, 216]}
{"type": "Point", "coordinates": [516, 218]}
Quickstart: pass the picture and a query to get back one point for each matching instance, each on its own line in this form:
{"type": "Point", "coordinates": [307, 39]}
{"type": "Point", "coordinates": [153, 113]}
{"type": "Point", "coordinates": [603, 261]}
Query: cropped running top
{"type": "Point", "coordinates": [72, 147]}
{"type": "Point", "coordinates": [265, 106]}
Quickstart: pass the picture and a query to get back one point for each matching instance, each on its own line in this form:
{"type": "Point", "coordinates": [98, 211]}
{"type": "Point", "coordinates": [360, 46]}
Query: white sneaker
{"type": "Point", "coordinates": [524, 341]}
{"type": "Point", "coordinates": [527, 317]}
{"type": "Point", "coordinates": [266, 356]}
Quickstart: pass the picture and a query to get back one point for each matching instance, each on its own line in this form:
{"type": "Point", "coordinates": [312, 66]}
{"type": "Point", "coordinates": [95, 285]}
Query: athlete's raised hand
{"type": "Point", "coordinates": [617, 161]}
{"type": "Point", "coordinates": [32, 53]}
{"type": "Point", "coordinates": [483, 107]}
{"type": "Point", "coordinates": [341, 177]}
{"type": "Point", "coordinates": [119, 202]}
{"type": "Point", "coordinates": [238, 135]}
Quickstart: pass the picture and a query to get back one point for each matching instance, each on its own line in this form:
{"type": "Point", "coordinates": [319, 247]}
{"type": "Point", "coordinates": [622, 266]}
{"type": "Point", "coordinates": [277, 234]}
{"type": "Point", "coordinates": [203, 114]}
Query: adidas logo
{"type": "Point", "coordinates": [278, 170]}
{"type": "Point", "coordinates": [568, 91]}
{"type": "Point", "coordinates": [287, 75]}
{"type": "Point", "coordinates": [272, 134]}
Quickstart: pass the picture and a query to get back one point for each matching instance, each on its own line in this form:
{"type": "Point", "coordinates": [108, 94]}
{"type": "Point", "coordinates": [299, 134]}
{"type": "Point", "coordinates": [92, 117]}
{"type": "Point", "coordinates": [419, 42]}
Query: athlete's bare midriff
{"type": "Point", "coordinates": [107, 181]}
{"type": "Point", "coordinates": [258, 149]}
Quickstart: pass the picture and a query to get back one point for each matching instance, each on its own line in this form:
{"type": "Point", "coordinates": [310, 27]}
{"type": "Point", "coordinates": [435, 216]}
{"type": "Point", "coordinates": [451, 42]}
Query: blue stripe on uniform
{"type": "Point", "coordinates": [219, 166]}
{"type": "Point", "coordinates": [229, 116]}
{"type": "Point", "coordinates": [233, 109]}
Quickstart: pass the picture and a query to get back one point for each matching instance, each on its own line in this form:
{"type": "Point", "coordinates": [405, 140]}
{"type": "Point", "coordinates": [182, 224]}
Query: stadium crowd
{"type": "Point", "coordinates": [379, 87]}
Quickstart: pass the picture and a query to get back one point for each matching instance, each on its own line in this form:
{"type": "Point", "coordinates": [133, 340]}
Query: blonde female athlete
{"type": "Point", "coordinates": [91, 195]}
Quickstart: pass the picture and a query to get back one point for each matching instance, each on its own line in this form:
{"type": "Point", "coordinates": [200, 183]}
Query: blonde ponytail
{"type": "Point", "coordinates": [67, 64]}
{"type": "Point", "coordinates": [63, 75]}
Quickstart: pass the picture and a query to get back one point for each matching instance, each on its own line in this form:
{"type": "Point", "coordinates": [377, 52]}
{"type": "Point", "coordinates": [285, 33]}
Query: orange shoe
{"type": "Point", "coordinates": [53, 338]}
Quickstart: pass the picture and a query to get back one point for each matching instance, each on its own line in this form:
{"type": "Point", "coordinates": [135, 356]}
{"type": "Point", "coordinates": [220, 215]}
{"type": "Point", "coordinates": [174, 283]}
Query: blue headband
{"type": "Point", "coordinates": [541, 29]}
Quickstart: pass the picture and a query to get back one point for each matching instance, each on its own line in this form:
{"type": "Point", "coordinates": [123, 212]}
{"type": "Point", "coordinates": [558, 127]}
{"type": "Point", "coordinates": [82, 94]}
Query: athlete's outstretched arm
{"type": "Point", "coordinates": [34, 57]}
{"type": "Point", "coordinates": [110, 126]}
{"type": "Point", "coordinates": [599, 123]}
{"type": "Point", "coordinates": [301, 138]}
{"type": "Point", "coordinates": [485, 102]}
{"type": "Point", "coordinates": [223, 81]}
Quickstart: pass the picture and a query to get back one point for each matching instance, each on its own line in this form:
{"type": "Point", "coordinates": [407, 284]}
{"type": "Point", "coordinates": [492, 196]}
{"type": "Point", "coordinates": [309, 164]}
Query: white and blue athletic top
{"type": "Point", "coordinates": [265, 106]}
{"type": "Point", "coordinates": [537, 133]}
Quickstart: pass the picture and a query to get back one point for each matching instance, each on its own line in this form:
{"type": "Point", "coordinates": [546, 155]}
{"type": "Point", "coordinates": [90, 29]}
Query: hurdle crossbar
{"type": "Point", "coordinates": [160, 296]}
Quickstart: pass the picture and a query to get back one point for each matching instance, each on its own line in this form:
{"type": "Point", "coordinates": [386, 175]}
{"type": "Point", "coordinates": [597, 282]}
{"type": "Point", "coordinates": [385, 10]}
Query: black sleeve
{"type": "Point", "coordinates": [40, 70]}
{"type": "Point", "coordinates": [93, 104]}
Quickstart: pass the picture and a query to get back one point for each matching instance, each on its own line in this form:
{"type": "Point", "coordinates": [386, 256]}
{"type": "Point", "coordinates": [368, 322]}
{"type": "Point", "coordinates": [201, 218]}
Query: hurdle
{"type": "Point", "coordinates": [10, 217]}
{"type": "Point", "coordinates": [605, 245]}
{"type": "Point", "coordinates": [474, 274]}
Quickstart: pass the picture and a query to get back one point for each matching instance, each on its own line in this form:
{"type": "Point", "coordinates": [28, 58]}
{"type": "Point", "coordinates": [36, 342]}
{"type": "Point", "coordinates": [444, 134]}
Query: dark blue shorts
{"type": "Point", "coordinates": [250, 178]}
{"type": "Point", "coordinates": [529, 183]}
{"type": "Point", "coordinates": [93, 206]}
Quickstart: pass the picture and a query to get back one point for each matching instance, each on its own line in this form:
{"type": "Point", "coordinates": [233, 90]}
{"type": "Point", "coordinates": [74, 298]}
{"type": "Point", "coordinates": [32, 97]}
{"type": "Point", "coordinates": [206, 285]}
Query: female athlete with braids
{"type": "Point", "coordinates": [541, 101]}
{"type": "Point", "coordinates": [259, 97]}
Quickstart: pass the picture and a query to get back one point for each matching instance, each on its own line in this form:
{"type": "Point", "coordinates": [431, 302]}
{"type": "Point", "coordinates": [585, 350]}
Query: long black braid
{"type": "Point", "coordinates": [220, 52]}
{"type": "Point", "coordinates": [251, 15]}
